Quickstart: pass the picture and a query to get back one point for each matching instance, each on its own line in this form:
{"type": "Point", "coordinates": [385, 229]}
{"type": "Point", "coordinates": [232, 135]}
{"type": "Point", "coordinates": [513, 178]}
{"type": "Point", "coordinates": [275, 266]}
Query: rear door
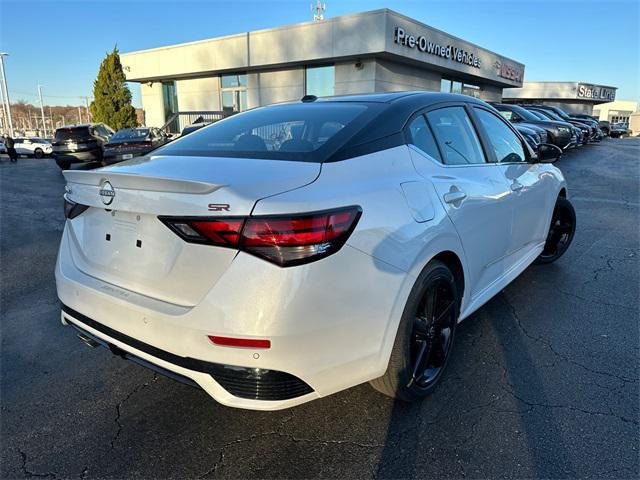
{"type": "Point", "coordinates": [530, 184]}
{"type": "Point", "coordinates": [472, 190]}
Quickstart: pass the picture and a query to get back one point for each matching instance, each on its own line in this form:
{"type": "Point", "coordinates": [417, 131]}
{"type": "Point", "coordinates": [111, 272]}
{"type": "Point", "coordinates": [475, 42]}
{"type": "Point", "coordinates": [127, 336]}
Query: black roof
{"type": "Point", "coordinates": [389, 118]}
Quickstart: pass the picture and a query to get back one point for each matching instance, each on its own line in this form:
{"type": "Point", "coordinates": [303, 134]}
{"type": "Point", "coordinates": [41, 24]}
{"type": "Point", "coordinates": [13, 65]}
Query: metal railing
{"type": "Point", "coordinates": [179, 120]}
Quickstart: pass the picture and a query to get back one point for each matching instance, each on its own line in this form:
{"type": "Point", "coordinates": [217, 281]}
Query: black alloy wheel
{"type": "Point", "coordinates": [432, 334]}
{"type": "Point", "coordinates": [38, 153]}
{"type": "Point", "coordinates": [561, 232]}
{"type": "Point", "coordinates": [425, 336]}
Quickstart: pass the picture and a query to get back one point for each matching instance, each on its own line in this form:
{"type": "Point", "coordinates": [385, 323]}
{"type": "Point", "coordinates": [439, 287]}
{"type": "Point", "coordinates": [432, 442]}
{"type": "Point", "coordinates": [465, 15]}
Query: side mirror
{"type": "Point", "coordinates": [548, 153]}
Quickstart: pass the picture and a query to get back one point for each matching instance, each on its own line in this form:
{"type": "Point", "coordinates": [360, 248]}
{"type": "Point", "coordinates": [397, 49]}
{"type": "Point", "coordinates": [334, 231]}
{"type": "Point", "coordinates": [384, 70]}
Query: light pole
{"type": "Point", "coordinates": [3, 118]}
{"type": "Point", "coordinates": [44, 124]}
{"type": "Point", "coordinates": [6, 91]}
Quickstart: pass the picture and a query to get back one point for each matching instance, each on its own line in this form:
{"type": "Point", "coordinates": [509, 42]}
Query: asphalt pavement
{"type": "Point", "coordinates": [544, 381]}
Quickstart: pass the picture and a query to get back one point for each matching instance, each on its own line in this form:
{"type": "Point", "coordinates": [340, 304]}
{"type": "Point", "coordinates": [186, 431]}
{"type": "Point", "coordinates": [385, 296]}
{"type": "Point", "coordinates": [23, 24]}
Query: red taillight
{"type": "Point", "coordinates": [240, 342]}
{"type": "Point", "coordinates": [224, 233]}
{"type": "Point", "coordinates": [285, 240]}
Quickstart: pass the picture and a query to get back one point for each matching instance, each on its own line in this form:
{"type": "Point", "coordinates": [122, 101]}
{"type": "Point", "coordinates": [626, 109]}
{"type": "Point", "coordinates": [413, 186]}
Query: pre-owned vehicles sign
{"type": "Point", "coordinates": [423, 44]}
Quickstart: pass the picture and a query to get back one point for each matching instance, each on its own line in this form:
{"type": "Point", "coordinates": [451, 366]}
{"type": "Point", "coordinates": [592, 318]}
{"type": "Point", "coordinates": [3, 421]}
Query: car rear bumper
{"type": "Point", "coordinates": [78, 157]}
{"type": "Point", "coordinates": [329, 330]}
{"type": "Point", "coordinates": [111, 158]}
{"type": "Point", "coordinates": [242, 382]}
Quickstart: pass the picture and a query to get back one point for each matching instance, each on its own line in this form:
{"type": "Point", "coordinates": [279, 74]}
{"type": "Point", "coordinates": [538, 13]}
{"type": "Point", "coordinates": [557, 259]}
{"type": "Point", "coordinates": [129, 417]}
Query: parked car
{"type": "Point", "coordinates": [564, 116]}
{"type": "Point", "coordinates": [605, 126]}
{"type": "Point", "coordinates": [132, 142]}
{"type": "Point", "coordinates": [559, 133]}
{"type": "Point", "coordinates": [80, 143]}
{"type": "Point", "coordinates": [36, 147]}
{"type": "Point", "coordinates": [619, 129]}
{"type": "Point", "coordinates": [530, 135]}
{"type": "Point", "coordinates": [581, 133]}
{"type": "Point", "coordinates": [346, 252]}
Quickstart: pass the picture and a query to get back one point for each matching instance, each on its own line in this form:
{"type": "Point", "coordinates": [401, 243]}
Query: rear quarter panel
{"type": "Point", "coordinates": [399, 247]}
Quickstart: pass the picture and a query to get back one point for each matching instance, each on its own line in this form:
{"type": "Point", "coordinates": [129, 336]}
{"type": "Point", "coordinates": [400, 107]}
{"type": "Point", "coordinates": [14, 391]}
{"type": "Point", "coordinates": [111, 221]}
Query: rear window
{"type": "Point", "coordinates": [72, 133]}
{"type": "Point", "coordinates": [131, 134]}
{"type": "Point", "coordinates": [307, 132]}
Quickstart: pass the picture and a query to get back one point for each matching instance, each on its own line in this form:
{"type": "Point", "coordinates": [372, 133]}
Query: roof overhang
{"type": "Point", "coordinates": [562, 91]}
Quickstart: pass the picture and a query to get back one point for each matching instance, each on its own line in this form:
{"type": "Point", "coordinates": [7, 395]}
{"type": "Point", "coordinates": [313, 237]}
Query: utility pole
{"type": "Point", "coordinates": [44, 125]}
{"type": "Point", "coordinates": [3, 116]}
{"type": "Point", "coordinates": [6, 92]}
{"type": "Point", "coordinates": [79, 115]}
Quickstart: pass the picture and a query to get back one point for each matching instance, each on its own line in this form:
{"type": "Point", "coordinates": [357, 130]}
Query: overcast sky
{"type": "Point", "coordinates": [61, 44]}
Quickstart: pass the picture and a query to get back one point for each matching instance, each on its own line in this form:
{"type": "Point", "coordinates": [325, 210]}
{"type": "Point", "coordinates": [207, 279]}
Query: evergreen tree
{"type": "Point", "coordinates": [112, 98]}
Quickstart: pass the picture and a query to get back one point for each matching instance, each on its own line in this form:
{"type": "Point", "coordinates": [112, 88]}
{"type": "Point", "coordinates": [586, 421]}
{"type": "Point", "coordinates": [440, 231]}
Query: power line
{"type": "Point", "coordinates": [16, 92]}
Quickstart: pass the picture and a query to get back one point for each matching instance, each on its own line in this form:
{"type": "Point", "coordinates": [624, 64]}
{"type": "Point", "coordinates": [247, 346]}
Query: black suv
{"type": "Point", "coordinates": [80, 143]}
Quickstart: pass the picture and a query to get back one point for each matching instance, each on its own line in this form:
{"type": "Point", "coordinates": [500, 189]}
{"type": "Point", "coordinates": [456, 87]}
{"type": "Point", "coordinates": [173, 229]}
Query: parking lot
{"type": "Point", "coordinates": [544, 382]}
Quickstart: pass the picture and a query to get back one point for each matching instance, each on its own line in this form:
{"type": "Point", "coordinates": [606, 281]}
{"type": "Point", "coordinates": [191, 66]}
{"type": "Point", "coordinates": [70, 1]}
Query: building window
{"type": "Point", "coordinates": [471, 90]}
{"type": "Point", "coordinates": [233, 90]}
{"type": "Point", "coordinates": [169, 100]}
{"type": "Point", "coordinates": [453, 86]}
{"type": "Point", "coordinates": [320, 81]}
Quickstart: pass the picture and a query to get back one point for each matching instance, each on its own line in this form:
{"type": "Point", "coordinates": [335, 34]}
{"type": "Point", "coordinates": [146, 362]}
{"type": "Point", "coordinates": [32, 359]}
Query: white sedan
{"type": "Point", "coordinates": [35, 147]}
{"type": "Point", "coordinates": [296, 250]}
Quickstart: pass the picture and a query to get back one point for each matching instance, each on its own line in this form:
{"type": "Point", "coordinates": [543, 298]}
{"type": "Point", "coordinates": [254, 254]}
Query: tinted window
{"type": "Point", "coordinates": [456, 136]}
{"type": "Point", "coordinates": [545, 113]}
{"type": "Point", "coordinates": [521, 112]}
{"type": "Point", "coordinates": [505, 143]}
{"type": "Point", "coordinates": [131, 133]}
{"type": "Point", "coordinates": [286, 132]}
{"type": "Point", "coordinates": [72, 133]}
{"type": "Point", "coordinates": [422, 137]}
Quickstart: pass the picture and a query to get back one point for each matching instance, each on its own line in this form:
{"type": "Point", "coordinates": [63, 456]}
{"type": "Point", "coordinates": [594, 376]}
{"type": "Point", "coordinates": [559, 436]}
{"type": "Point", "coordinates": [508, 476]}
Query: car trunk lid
{"type": "Point", "coordinates": [121, 241]}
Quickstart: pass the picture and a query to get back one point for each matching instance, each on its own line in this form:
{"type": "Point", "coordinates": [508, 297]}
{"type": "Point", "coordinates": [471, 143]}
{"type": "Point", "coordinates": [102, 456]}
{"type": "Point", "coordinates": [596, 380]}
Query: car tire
{"type": "Point", "coordinates": [418, 337]}
{"type": "Point", "coordinates": [38, 153]}
{"type": "Point", "coordinates": [561, 232]}
{"type": "Point", "coordinates": [63, 164]}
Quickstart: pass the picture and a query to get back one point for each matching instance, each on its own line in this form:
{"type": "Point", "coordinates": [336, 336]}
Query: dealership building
{"type": "Point", "coordinates": [572, 97]}
{"type": "Point", "coordinates": [376, 51]}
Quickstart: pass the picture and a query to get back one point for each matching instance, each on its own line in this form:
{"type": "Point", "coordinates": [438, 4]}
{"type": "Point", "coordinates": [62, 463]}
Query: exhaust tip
{"type": "Point", "coordinates": [88, 341]}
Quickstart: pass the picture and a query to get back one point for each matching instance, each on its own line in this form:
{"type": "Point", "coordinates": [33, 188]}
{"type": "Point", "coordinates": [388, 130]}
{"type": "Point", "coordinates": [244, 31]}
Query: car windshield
{"type": "Point", "coordinates": [131, 134]}
{"type": "Point", "coordinates": [537, 115]}
{"type": "Point", "coordinates": [526, 114]}
{"type": "Point", "coordinates": [302, 131]}
{"type": "Point", "coordinates": [72, 133]}
{"type": "Point", "coordinates": [546, 114]}
{"type": "Point", "coordinates": [562, 114]}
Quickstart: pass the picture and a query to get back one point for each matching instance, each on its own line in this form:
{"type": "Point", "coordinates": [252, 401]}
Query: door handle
{"type": "Point", "coordinates": [516, 186]}
{"type": "Point", "coordinates": [454, 197]}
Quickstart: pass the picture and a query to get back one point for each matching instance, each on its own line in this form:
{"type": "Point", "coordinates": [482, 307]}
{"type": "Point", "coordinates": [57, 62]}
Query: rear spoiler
{"type": "Point", "coordinates": [133, 192]}
{"type": "Point", "coordinates": [129, 181]}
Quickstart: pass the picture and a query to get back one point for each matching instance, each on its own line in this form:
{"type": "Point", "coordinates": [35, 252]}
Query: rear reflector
{"type": "Point", "coordinates": [240, 342]}
{"type": "Point", "coordinates": [285, 240]}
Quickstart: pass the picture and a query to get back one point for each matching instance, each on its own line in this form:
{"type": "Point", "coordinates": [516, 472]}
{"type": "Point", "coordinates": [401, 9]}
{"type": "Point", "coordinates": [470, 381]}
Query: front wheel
{"type": "Point", "coordinates": [561, 232]}
{"type": "Point", "coordinates": [38, 153]}
{"type": "Point", "coordinates": [424, 340]}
